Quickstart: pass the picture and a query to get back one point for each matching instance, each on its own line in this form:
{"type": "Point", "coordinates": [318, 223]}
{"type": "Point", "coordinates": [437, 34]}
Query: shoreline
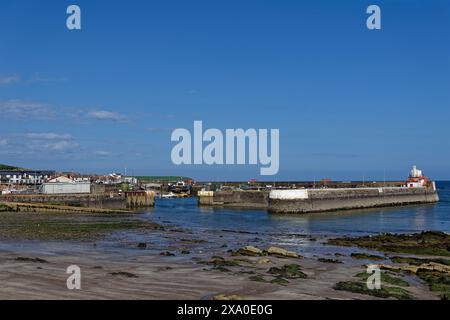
{"type": "Point", "coordinates": [116, 265]}
{"type": "Point", "coordinates": [157, 277]}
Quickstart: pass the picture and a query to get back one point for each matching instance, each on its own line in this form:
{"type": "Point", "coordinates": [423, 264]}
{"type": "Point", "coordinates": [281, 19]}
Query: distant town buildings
{"type": "Point", "coordinates": [115, 179]}
{"type": "Point", "coordinates": [15, 180]}
{"type": "Point", "coordinates": [24, 177]}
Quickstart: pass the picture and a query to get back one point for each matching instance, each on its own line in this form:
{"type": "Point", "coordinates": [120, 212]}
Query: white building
{"type": "Point", "coordinates": [65, 185]}
{"type": "Point", "coordinates": [130, 180]}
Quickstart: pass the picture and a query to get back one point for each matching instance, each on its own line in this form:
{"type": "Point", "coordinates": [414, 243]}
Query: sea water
{"type": "Point", "coordinates": [407, 219]}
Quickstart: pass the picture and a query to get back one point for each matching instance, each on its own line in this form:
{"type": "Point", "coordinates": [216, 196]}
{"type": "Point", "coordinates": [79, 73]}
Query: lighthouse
{"type": "Point", "coordinates": [416, 179]}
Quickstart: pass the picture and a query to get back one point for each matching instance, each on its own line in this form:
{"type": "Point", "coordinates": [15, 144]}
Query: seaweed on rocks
{"type": "Point", "coordinates": [384, 292]}
{"type": "Point", "coordinates": [425, 243]}
{"type": "Point", "coordinates": [288, 271]}
{"type": "Point", "coordinates": [385, 278]}
{"type": "Point", "coordinates": [437, 282]}
{"type": "Point", "coordinates": [327, 260]}
{"type": "Point", "coordinates": [280, 281]}
{"type": "Point", "coordinates": [124, 274]}
{"type": "Point", "coordinates": [26, 259]}
{"type": "Point", "coordinates": [419, 261]}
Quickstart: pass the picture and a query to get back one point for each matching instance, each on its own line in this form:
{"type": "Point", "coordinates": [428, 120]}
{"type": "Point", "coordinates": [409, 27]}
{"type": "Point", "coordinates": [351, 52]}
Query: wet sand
{"type": "Point", "coordinates": [35, 280]}
{"type": "Point", "coordinates": [119, 266]}
{"type": "Point", "coordinates": [152, 276]}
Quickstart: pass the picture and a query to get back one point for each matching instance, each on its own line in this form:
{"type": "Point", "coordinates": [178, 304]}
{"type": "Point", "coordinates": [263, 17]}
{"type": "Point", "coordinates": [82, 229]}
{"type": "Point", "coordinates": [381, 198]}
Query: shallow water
{"type": "Point", "coordinates": [185, 213]}
{"type": "Point", "coordinates": [221, 229]}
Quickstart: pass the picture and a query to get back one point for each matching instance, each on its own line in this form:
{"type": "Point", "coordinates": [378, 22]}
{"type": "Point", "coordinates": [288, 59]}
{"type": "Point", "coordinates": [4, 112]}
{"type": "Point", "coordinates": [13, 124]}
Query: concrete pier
{"type": "Point", "coordinates": [205, 198]}
{"type": "Point", "coordinates": [139, 199]}
{"type": "Point", "coordinates": [95, 200]}
{"type": "Point", "coordinates": [241, 199]}
{"type": "Point", "coordinates": [318, 200]}
{"type": "Point", "coordinates": [113, 201]}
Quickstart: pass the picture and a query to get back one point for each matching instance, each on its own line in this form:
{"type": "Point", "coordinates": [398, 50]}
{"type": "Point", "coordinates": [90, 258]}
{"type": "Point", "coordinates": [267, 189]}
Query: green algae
{"type": "Point", "coordinates": [424, 243]}
{"type": "Point", "coordinates": [4, 208]}
{"type": "Point", "coordinates": [288, 271]}
{"type": "Point", "coordinates": [437, 282]}
{"type": "Point", "coordinates": [218, 261]}
{"type": "Point", "coordinates": [35, 260]}
{"type": "Point", "coordinates": [280, 281]}
{"type": "Point", "coordinates": [385, 278]}
{"type": "Point", "coordinates": [326, 260]}
{"type": "Point", "coordinates": [124, 274]}
{"type": "Point", "coordinates": [167, 254]}
{"type": "Point", "coordinates": [419, 261]}
{"type": "Point", "coordinates": [42, 226]}
{"type": "Point", "coordinates": [257, 278]}
{"type": "Point", "coordinates": [384, 292]}
{"type": "Point", "coordinates": [221, 269]}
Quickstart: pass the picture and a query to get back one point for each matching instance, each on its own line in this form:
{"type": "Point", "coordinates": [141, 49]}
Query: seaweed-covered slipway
{"type": "Point", "coordinates": [418, 189]}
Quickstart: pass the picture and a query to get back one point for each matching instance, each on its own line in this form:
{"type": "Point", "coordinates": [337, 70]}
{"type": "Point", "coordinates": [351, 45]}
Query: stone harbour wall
{"type": "Point", "coordinates": [318, 200]}
{"type": "Point", "coordinates": [113, 201]}
{"type": "Point", "coordinates": [344, 199]}
{"type": "Point", "coordinates": [244, 199]}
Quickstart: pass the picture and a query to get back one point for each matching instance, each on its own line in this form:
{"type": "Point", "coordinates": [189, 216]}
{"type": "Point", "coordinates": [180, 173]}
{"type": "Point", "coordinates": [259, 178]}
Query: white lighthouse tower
{"type": "Point", "coordinates": [416, 179]}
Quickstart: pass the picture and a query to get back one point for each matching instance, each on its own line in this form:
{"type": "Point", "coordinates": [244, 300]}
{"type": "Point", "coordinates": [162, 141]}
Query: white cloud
{"type": "Point", "coordinates": [48, 136]}
{"type": "Point", "coordinates": [38, 144]}
{"type": "Point", "coordinates": [24, 109]}
{"type": "Point", "coordinates": [50, 141]}
{"type": "Point", "coordinates": [38, 78]}
{"type": "Point", "coordinates": [106, 115]}
{"type": "Point", "coordinates": [10, 79]}
{"type": "Point", "coordinates": [62, 145]}
{"type": "Point", "coordinates": [102, 153]}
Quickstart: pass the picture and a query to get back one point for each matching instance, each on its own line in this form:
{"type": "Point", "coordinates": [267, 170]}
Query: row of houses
{"type": "Point", "coordinates": [38, 177]}
{"type": "Point", "coordinates": [25, 177]}
{"type": "Point", "coordinates": [50, 182]}
{"type": "Point", "coordinates": [114, 179]}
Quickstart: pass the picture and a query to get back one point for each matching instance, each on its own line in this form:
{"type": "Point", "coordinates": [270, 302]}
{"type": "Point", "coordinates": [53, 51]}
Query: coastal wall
{"type": "Point", "coordinates": [139, 199]}
{"type": "Point", "coordinates": [228, 198]}
{"type": "Point", "coordinates": [318, 200]}
{"type": "Point", "coordinates": [113, 201]}
{"type": "Point", "coordinates": [205, 198]}
{"type": "Point", "coordinates": [49, 208]}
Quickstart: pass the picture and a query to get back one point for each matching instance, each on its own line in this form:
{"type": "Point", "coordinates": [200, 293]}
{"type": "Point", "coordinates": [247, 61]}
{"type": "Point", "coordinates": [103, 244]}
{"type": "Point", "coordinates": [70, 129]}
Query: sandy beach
{"type": "Point", "coordinates": [154, 277]}
{"type": "Point", "coordinates": [174, 264]}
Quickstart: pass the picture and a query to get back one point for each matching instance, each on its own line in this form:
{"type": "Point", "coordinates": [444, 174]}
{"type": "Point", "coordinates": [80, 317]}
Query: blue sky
{"type": "Point", "coordinates": [349, 102]}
